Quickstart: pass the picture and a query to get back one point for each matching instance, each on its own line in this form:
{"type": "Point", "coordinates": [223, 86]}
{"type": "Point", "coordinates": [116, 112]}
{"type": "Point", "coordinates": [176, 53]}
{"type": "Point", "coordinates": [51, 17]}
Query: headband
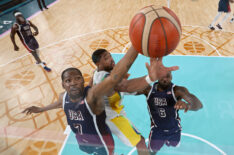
{"type": "Point", "coordinates": [17, 14]}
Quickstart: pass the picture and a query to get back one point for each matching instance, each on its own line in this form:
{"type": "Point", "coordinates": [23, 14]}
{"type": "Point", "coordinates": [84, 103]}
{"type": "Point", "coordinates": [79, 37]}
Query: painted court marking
{"type": "Point", "coordinates": [191, 136]}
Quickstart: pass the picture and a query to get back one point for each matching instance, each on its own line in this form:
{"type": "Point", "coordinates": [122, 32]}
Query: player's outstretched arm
{"type": "Point", "coordinates": [34, 27]}
{"type": "Point", "coordinates": [13, 32]}
{"type": "Point", "coordinates": [55, 105]}
{"type": "Point", "coordinates": [193, 104]}
{"type": "Point", "coordinates": [97, 92]}
{"type": "Point", "coordinates": [156, 70]}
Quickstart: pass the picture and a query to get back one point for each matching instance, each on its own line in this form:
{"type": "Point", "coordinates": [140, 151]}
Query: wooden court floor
{"type": "Point", "coordinates": [68, 34]}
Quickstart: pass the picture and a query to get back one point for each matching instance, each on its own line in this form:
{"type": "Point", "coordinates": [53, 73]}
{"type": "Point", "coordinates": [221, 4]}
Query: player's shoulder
{"type": "Point", "coordinates": [61, 95]}
{"type": "Point", "coordinates": [180, 89]}
{"type": "Point", "coordinates": [101, 72]}
{"type": "Point", "coordinates": [15, 26]}
{"type": "Point", "coordinates": [100, 76]}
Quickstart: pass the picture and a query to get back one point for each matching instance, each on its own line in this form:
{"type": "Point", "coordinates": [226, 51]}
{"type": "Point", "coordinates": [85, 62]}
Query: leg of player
{"type": "Point", "coordinates": [156, 141]}
{"type": "Point", "coordinates": [43, 2]}
{"type": "Point", "coordinates": [211, 26]}
{"type": "Point", "coordinates": [219, 25]}
{"type": "Point", "coordinates": [39, 4]}
{"type": "Point", "coordinates": [141, 147]}
{"type": "Point", "coordinates": [38, 60]}
{"type": "Point", "coordinates": [174, 139]}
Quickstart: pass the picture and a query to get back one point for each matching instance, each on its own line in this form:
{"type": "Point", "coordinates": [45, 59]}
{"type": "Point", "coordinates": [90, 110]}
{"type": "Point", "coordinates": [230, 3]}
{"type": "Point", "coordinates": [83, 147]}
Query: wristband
{"type": "Point", "coordinates": [147, 78]}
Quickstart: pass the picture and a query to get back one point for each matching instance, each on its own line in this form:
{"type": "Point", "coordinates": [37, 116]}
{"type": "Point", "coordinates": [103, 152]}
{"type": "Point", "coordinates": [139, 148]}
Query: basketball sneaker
{"type": "Point", "coordinates": [232, 20]}
{"type": "Point", "coordinates": [211, 27]}
{"type": "Point", "coordinates": [219, 26]}
{"type": "Point", "coordinates": [47, 69]}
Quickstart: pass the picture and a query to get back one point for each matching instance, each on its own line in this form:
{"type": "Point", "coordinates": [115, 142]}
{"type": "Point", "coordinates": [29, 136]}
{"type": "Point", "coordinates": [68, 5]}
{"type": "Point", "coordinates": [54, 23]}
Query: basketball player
{"type": "Point", "coordinates": [116, 117]}
{"type": "Point", "coordinates": [84, 107]}
{"type": "Point", "coordinates": [164, 99]}
{"type": "Point", "coordinates": [23, 28]}
{"type": "Point", "coordinates": [39, 4]}
{"type": "Point", "coordinates": [224, 6]}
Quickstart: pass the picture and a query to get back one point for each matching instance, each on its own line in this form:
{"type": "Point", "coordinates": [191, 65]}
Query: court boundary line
{"type": "Point", "coordinates": [192, 136]}
{"type": "Point", "coordinates": [81, 35]}
{"type": "Point", "coordinates": [67, 132]}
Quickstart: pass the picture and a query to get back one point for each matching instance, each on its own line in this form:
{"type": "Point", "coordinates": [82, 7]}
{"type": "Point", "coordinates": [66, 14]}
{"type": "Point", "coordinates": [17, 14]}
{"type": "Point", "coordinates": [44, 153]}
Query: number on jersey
{"type": "Point", "coordinates": [162, 112]}
{"type": "Point", "coordinates": [78, 127]}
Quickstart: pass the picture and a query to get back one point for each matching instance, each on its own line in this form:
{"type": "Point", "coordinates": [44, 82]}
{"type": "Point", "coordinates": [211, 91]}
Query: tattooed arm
{"type": "Point", "coordinates": [193, 103]}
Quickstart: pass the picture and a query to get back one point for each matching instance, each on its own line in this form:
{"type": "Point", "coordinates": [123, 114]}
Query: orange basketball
{"type": "Point", "coordinates": [155, 32]}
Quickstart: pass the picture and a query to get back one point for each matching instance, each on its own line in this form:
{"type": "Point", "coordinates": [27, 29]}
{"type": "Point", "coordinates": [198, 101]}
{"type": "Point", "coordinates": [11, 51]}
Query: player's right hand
{"type": "Point", "coordinates": [157, 70]}
{"type": "Point", "coordinates": [32, 109]}
{"type": "Point", "coordinates": [16, 48]}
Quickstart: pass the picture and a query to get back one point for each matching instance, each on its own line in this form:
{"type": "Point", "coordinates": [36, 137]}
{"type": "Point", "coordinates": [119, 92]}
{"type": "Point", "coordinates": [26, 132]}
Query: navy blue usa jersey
{"type": "Point", "coordinates": [161, 108]}
{"type": "Point", "coordinates": [25, 34]}
{"type": "Point", "coordinates": [90, 129]}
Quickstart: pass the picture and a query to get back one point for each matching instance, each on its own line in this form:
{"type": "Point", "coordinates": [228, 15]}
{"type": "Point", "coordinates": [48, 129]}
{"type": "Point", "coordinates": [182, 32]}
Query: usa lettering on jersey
{"type": "Point", "coordinates": [160, 101]}
{"type": "Point", "coordinates": [73, 115]}
{"type": "Point", "coordinates": [26, 27]}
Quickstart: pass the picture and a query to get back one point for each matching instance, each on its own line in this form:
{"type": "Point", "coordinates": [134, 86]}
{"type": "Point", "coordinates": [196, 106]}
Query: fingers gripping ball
{"type": "Point", "coordinates": [155, 32]}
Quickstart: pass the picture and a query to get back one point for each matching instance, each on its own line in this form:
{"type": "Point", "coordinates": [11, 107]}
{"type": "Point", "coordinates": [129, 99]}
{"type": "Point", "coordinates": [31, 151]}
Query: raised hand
{"type": "Point", "coordinates": [35, 33]}
{"type": "Point", "coordinates": [32, 109]}
{"type": "Point", "coordinates": [157, 70]}
{"type": "Point", "coordinates": [181, 105]}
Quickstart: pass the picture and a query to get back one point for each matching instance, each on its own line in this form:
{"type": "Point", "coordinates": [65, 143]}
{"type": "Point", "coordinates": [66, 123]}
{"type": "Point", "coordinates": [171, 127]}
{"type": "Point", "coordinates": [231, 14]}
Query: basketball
{"type": "Point", "coordinates": [155, 32]}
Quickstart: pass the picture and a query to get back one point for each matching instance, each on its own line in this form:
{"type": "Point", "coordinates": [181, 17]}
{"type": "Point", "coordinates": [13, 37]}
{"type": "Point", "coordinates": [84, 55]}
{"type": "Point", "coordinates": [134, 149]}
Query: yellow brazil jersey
{"type": "Point", "coordinates": [113, 103]}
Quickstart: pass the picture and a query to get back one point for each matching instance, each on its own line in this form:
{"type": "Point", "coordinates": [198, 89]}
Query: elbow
{"type": "Point", "coordinates": [198, 107]}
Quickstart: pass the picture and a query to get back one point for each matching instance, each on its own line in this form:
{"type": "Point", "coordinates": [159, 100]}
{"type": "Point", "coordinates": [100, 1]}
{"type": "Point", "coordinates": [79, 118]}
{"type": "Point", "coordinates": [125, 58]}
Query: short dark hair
{"type": "Point", "coordinates": [96, 56]}
{"type": "Point", "coordinates": [70, 69]}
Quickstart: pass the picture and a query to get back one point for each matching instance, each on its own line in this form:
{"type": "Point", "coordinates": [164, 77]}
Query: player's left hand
{"type": "Point", "coordinates": [181, 105]}
{"type": "Point", "coordinates": [35, 33]}
{"type": "Point", "coordinates": [157, 70]}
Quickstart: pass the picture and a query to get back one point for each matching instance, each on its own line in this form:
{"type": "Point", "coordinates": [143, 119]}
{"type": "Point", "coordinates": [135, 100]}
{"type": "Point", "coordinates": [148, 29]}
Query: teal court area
{"type": "Point", "coordinates": [209, 131]}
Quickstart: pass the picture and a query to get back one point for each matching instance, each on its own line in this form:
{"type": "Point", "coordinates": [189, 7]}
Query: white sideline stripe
{"type": "Point", "coordinates": [66, 132]}
{"type": "Point", "coordinates": [192, 136]}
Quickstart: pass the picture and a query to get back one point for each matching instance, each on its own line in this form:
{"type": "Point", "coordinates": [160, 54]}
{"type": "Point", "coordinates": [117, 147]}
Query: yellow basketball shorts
{"type": "Point", "coordinates": [124, 130]}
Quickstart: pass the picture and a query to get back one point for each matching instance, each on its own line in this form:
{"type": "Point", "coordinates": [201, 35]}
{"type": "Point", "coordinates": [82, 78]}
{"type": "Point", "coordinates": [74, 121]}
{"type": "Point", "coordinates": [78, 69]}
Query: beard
{"type": "Point", "coordinates": [109, 68]}
{"type": "Point", "coordinates": [77, 94]}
